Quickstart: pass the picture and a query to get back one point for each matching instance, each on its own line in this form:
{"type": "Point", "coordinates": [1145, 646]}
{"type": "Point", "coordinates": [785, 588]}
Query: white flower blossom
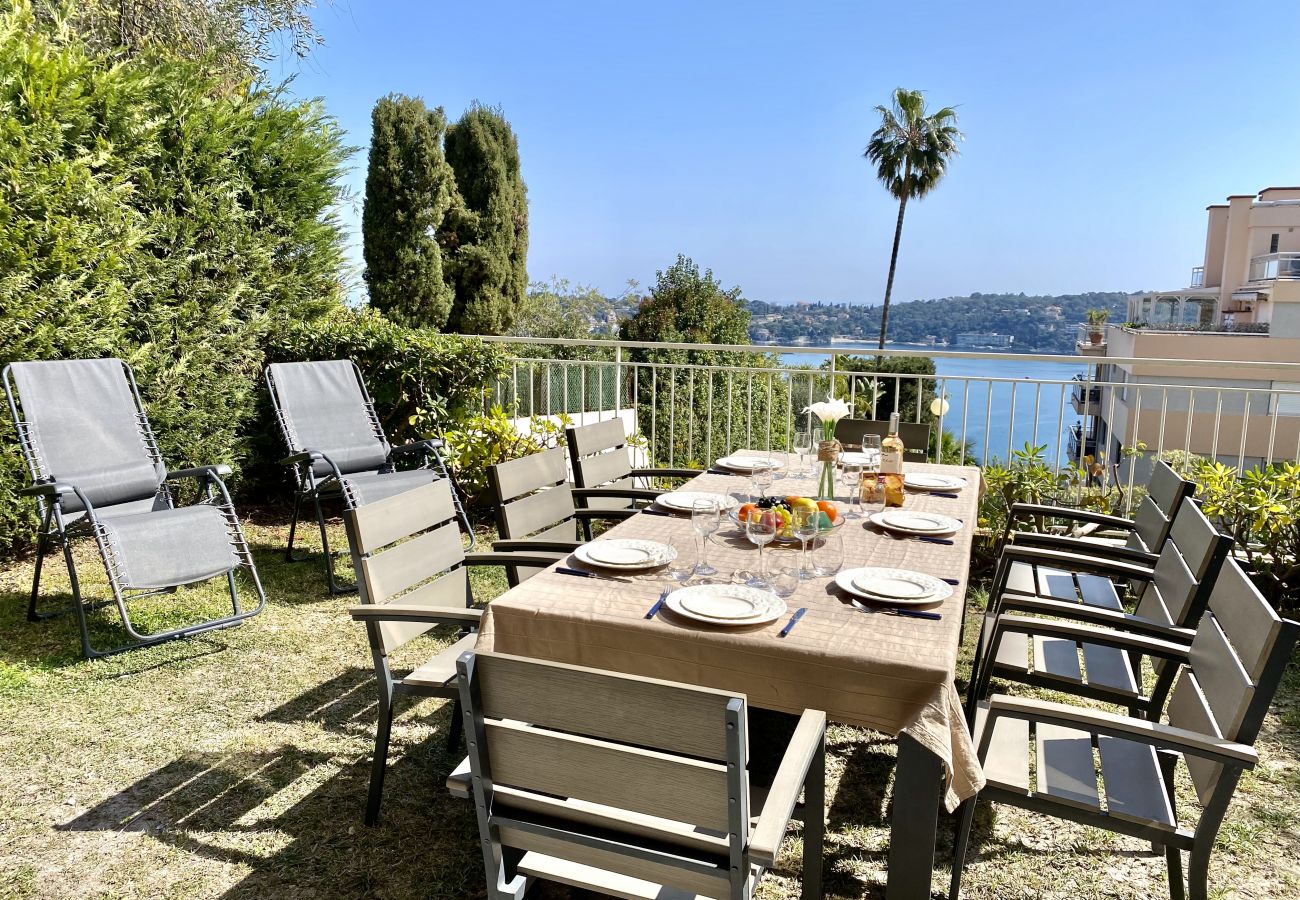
{"type": "Point", "coordinates": [829, 411]}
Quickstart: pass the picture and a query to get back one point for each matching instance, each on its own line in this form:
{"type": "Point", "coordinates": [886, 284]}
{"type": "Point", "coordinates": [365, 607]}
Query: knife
{"type": "Point", "coordinates": [564, 570]}
{"type": "Point", "coordinates": [794, 620]}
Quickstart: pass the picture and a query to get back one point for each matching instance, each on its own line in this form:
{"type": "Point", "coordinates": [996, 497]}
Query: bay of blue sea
{"type": "Point", "coordinates": [1001, 404]}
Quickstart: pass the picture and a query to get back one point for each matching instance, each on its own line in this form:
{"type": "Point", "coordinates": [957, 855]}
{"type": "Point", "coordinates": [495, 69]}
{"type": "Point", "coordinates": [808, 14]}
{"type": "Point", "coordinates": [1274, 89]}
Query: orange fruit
{"type": "Point", "coordinates": [745, 511]}
{"type": "Point", "coordinates": [829, 508]}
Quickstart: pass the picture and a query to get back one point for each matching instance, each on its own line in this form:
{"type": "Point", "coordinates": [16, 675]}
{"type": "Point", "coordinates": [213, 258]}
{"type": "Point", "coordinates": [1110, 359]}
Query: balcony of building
{"type": "Point", "coordinates": [1274, 266]}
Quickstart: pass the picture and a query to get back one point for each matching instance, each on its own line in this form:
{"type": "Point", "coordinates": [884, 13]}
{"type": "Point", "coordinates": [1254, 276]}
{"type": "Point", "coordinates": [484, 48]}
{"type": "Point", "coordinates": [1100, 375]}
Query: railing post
{"type": "Point", "coordinates": [618, 382]}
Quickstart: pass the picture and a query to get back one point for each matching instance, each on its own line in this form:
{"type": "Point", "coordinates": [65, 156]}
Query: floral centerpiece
{"type": "Point", "coordinates": [828, 413]}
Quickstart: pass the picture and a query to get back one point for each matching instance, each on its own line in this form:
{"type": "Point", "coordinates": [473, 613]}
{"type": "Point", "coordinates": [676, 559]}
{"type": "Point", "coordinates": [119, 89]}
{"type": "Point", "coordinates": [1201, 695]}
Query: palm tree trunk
{"type": "Point", "coordinates": [893, 264]}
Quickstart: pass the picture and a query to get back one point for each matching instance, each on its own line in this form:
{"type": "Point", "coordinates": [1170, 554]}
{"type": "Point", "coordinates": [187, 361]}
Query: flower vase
{"type": "Point", "coordinates": [828, 454]}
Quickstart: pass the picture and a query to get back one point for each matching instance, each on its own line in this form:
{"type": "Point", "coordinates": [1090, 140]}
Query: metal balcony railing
{"type": "Point", "coordinates": [1275, 265]}
{"type": "Point", "coordinates": [691, 403]}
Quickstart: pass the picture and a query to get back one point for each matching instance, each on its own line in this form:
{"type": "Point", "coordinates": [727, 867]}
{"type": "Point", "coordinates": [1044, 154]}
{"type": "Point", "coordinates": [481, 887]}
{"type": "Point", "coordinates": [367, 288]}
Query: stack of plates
{"type": "Point", "coordinates": [733, 605]}
{"type": "Point", "coordinates": [684, 501]}
{"type": "Point", "coordinates": [627, 554]}
{"type": "Point", "coordinates": [897, 587]}
{"type": "Point", "coordinates": [923, 481]}
{"type": "Point", "coordinates": [747, 464]}
{"type": "Point", "coordinates": [907, 522]}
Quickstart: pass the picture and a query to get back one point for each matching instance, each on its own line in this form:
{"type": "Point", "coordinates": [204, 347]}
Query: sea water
{"type": "Point", "coordinates": [1043, 413]}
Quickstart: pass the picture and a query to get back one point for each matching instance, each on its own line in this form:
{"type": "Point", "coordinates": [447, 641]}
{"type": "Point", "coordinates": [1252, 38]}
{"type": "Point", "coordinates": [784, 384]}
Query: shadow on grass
{"type": "Point", "coordinates": [347, 702]}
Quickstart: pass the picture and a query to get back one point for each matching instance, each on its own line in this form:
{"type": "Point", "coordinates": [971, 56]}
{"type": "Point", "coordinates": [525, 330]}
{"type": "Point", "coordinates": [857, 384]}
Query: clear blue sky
{"type": "Point", "coordinates": [1096, 133]}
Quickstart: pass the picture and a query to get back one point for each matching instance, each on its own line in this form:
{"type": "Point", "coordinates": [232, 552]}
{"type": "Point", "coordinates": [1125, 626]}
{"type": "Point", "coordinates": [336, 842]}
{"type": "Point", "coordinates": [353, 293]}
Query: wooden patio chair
{"type": "Point", "coordinates": [1228, 676]}
{"type": "Point", "coordinates": [628, 786]}
{"type": "Point", "coordinates": [915, 436]}
{"type": "Point", "coordinates": [1144, 537]}
{"type": "Point", "coordinates": [412, 573]}
{"type": "Point", "coordinates": [1046, 653]}
{"type": "Point", "coordinates": [601, 460]}
{"type": "Point", "coordinates": [535, 507]}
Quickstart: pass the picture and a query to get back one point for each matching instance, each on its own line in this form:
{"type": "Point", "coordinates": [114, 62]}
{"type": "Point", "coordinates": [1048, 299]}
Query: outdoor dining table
{"type": "Point", "coordinates": [889, 673]}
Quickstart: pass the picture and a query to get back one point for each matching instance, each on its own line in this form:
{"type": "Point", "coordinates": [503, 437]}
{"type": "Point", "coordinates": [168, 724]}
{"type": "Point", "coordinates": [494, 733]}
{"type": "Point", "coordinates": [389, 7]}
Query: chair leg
{"type": "Point", "coordinates": [380, 762]}
{"type": "Point", "coordinates": [1198, 874]}
{"type": "Point", "coordinates": [32, 615]}
{"type": "Point", "coordinates": [334, 585]}
{"type": "Point", "coordinates": [454, 730]}
{"type": "Point", "coordinates": [293, 531]}
{"type": "Point", "coordinates": [1174, 864]}
{"type": "Point", "coordinates": [965, 820]}
{"type": "Point", "coordinates": [814, 824]}
{"type": "Point", "coordinates": [77, 606]}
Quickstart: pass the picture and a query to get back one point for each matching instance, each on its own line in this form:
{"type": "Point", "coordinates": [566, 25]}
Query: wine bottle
{"type": "Point", "coordinates": [891, 464]}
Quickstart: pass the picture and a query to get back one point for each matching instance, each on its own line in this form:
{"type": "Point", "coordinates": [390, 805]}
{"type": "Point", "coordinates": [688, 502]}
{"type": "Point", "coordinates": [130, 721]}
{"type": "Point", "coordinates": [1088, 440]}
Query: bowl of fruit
{"type": "Point", "coordinates": [784, 510]}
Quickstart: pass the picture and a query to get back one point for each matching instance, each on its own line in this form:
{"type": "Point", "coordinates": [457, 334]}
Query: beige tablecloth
{"type": "Point", "coordinates": [884, 672]}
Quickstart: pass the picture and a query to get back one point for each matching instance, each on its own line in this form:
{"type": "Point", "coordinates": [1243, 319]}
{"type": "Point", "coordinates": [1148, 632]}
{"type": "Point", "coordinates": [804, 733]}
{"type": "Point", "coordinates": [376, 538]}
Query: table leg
{"type": "Point", "coordinates": [918, 780]}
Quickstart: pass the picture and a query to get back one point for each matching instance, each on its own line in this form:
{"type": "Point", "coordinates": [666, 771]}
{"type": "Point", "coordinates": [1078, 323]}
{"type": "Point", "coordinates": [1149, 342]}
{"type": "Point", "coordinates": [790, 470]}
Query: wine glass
{"type": "Point", "coordinates": [803, 446]}
{"type": "Point", "coordinates": [828, 554]}
{"type": "Point", "coordinates": [761, 531]}
{"type": "Point", "coordinates": [851, 475]}
{"type": "Point", "coordinates": [682, 567]}
{"type": "Point", "coordinates": [806, 523]}
{"type": "Point", "coordinates": [763, 475]}
{"type": "Point", "coordinates": [706, 520]}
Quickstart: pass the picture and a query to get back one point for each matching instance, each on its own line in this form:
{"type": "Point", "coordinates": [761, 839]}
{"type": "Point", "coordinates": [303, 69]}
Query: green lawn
{"type": "Point", "coordinates": [236, 765]}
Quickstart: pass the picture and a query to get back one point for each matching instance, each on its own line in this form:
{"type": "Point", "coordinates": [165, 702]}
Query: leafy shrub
{"type": "Point", "coordinates": [485, 440]}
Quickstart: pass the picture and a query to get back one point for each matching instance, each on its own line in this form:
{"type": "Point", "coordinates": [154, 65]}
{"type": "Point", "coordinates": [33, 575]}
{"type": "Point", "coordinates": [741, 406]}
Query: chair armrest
{"type": "Point", "coordinates": [414, 447]}
{"type": "Point", "coordinates": [539, 560]}
{"type": "Point", "coordinates": [616, 492]}
{"type": "Point", "coordinates": [221, 470]}
{"type": "Point", "coordinates": [304, 456]}
{"type": "Point", "coordinates": [407, 612]}
{"type": "Point", "coordinates": [47, 489]}
{"type": "Point", "coordinates": [1110, 724]}
{"type": "Point", "coordinates": [605, 513]}
{"type": "Point", "coordinates": [1173, 650]}
{"type": "Point", "coordinates": [1019, 510]}
{"type": "Point", "coordinates": [806, 749]}
{"type": "Point", "coordinates": [666, 473]}
{"type": "Point", "coordinates": [528, 546]}
{"type": "Point", "coordinates": [1061, 559]}
{"type": "Point", "coordinates": [1078, 545]}
{"type": "Point", "coordinates": [1096, 615]}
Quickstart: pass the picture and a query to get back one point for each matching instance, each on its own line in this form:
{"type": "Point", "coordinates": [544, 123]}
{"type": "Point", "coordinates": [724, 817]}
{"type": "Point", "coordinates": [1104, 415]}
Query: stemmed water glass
{"type": "Point", "coordinates": [706, 519]}
{"type": "Point", "coordinates": [806, 523]}
{"type": "Point", "coordinates": [803, 446]}
{"type": "Point", "coordinates": [851, 475]}
{"type": "Point", "coordinates": [763, 476]}
{"type": "Point", "coordinates": [761, 531]}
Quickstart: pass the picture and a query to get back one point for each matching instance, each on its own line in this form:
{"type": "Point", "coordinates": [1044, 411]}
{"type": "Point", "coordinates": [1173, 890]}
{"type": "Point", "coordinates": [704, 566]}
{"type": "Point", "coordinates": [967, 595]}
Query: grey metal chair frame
{"type": "Point", "coordinates": [914, 435]}
{"type": "Point", "coordinates": [310, 487]}
{"type": "Point", "coordinates": [404, 588]}
{"type": "Point", "coordinates": [540, 481]}
{"type": "Point", "coordinates": [623, 755]}
{"type": "Point", "coordinates": [1194, 572]}
{"type": "Point", "coordinates": [1215, 713]}
{"type": "Point", "coordinates": [61, 528]}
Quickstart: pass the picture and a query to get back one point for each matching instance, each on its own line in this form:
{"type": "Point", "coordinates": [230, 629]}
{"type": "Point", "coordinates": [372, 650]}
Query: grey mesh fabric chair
{"type": "Point", "coordinates": [915, 436]}
{"type": "Point", "coordinates": [412, 573]}
{"type": "Point", "coordinates": [628, 786]}
{"type": "Point", "coordinates": [601, 459]}
{"type": "Point", "coordinates": [1144, 537]}
{"type": "Point", "coordinates": [97, 473]}
{"type": "Point", "coordinates": [1046, 653]}
{"type": "Point", "coordinates": [535, 507]}
{"type": "Point", "coordinates": [338, 449]}
{"type": "Point", "coordinates": [1229, 673]}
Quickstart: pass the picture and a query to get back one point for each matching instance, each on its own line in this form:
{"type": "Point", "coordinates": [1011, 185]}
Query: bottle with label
{"type": "Point", "coordinates": [891, 464]}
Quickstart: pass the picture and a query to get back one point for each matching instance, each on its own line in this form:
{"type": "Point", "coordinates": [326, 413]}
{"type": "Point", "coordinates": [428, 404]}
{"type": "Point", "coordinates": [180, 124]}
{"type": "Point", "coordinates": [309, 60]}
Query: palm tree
{"type": "Point", "coordinates": [910, 151]}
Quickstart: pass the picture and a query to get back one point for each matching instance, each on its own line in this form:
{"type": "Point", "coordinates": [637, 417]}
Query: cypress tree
{"type": "Point", "coordinates": [486, 232]}
{"type": "Point", "coordinates": [409, 189]}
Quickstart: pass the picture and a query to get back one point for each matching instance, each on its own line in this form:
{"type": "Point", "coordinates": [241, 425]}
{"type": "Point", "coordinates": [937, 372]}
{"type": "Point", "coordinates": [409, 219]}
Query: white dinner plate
{"type": "Point", "coordinates": [894, 584]}
{"type": "Point", "coordinates": [626, 553]}
{"type": "Point", "coordinates": [908, 522]}
{"type": "Point", "coordinates": [924, 481]}
{"type": "Point", "coordinates": [727, 604]}
{"type": "Point", "coordinates": [747, 463]}
{"type": "Point", "coordinates": [858, 458]}
{"type": "Point", "coordinates": [684, 501]}
{"type": "Point", "coordinates": [849, 580]}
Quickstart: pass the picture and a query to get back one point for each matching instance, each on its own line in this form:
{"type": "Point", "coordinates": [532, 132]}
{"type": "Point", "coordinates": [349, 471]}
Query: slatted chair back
{"type": "Point", "coordinates": [407, 549]}
{"type": "Point", "coordinates": [1186, 571]}
{"type": "Point", "coordinates": [600, 457]}
{"type": "Point", "coordinates": [1237, 659]}
{"type": "Point", "coordinates": [533, 497]}
{"type": "Point", "coordinates": [1166, 492]}
{"type": "Point", "coordinates": [80, 421]}
{"type": "Point", "coordinates": [915, 436]}
{"type": "Point", "coordinates": [603, 760]}
{"type": "Point", "coordinates": [324, 406]}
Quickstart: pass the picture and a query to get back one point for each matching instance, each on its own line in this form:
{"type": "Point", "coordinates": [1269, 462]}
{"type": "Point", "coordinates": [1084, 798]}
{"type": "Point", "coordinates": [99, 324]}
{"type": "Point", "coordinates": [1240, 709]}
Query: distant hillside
{"type": "Point", "coordinates": [1037, 324]}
